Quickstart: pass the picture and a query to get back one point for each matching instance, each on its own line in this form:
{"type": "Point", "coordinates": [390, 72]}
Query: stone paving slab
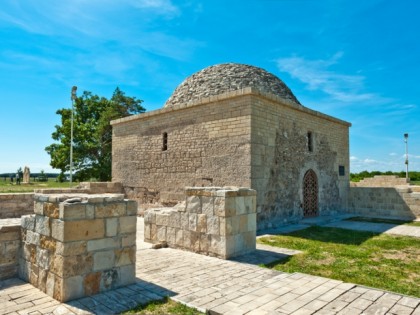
{"type": "Point", "coordinates": [216, 286]}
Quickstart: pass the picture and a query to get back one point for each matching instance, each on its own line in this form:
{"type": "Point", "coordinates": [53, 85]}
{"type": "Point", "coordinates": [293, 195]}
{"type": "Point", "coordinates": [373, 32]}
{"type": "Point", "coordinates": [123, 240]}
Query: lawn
{"type": "Point", "coordinates": [165, 306]}
{"type": "Point", "coordinates": [380, 261]}
{"type": "Point", "coordinates": [7, 187]}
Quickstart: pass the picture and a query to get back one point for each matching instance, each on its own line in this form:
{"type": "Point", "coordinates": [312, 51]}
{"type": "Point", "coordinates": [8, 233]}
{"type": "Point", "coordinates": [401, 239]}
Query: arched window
{"type": "Point", "coordinates": [164, 141]}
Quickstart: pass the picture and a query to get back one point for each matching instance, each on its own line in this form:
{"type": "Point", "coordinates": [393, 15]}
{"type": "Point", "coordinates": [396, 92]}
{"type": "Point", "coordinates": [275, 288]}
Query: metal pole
{"type": "Point", "coordinates": [73, 98]}
{"type": "Point", "coordinates": [406, 157]}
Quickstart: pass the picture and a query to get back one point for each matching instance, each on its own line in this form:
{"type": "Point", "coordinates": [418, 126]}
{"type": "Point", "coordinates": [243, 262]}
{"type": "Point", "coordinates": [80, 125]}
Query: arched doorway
{"type": "Point", "coordinates": [310, 194]}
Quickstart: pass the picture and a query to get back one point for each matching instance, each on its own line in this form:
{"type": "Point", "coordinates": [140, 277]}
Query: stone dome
{"type": "Point", "coordinates": [227, 77]}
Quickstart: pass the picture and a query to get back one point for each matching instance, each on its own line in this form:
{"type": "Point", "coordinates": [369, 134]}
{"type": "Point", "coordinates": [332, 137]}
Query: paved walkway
{"type": "Point", "coordinates": [216, 286]}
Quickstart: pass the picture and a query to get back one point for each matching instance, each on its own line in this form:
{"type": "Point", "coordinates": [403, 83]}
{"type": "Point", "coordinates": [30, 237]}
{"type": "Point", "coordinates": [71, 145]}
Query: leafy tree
{"type": "Point", "coordinates": [92, 134]}
{"type": "Point", "coordinates": [43, 177]}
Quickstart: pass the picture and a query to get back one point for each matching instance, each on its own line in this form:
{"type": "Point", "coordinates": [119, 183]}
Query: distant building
{"type": "Point", "coordinates": [236, 125]}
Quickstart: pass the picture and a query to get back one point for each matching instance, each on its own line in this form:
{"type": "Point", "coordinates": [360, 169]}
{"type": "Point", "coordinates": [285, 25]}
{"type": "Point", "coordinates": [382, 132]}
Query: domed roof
{"type": "Point", "coordinates": [227, 77]}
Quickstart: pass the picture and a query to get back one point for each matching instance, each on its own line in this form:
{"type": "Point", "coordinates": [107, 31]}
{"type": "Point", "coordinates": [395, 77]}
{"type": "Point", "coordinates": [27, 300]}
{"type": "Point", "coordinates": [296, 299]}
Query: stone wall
{"type": "Point", "coordinates": [380, 181]}
{"type": "Point", "coordinates": [243, 138]}
{"type": "Point", "coordinates": [401, 202]}
{"type": "Point", "coordinates": [213, 221]}
{"type": "Point", "coordinates": [208, 144]}
{"type": "Point", "coordinates": [280, 159]}
{"type": "Point", "coordinates": [9, 247]}
{"type": "Point", "coordinates": [16, 205]}
{"type": "Point", "coordinates": [77, 245]}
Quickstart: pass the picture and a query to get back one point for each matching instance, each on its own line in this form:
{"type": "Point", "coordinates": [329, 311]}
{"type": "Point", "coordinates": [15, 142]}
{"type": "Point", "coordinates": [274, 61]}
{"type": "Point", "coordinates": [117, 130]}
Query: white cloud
{"type": "Point", "coordinates": [393, 154]}
{"type": "Point", "coordinates": [353, 158]}
{"type": "Point", "coordinates": [317, 76]}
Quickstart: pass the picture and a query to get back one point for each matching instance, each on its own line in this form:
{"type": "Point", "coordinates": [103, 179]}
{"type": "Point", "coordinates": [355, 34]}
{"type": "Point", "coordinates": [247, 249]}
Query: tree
{"type": "Point", "coordinates": [92, 134]}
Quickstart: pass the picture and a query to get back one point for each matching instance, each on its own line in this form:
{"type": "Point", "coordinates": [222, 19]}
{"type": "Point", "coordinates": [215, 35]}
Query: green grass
{"type": "Point", "coordinates": [7, 187]}
{"type": "Point", "coordinates": [380, 261]}
{"type": "Point", "coordinates": [384, 220]}
{"type": "Point", "coordinates": [165, 306]}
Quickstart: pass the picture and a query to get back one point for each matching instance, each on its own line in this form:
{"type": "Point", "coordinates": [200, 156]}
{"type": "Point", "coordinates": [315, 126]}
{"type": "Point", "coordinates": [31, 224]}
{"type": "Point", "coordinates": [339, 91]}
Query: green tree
{"type": "Point", "coordinates": [92, 134]}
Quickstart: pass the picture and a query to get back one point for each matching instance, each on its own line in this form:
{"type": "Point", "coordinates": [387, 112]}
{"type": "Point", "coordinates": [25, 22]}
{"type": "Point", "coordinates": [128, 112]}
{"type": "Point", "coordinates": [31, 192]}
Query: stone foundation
{"type": "Point", "coordinates": [213, 221]}
{"type": "Point", "coordinates": [9, 247]}
{"type": "Point", "coordinates": [78, 245]}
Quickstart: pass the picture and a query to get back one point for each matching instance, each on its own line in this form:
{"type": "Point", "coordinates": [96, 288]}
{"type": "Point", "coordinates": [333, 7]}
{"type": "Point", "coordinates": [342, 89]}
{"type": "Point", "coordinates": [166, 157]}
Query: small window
{"type": "Point", "coordinates": [341, 170]}
{"type": "Point", "coordinates": [310, 142]}
{"type": "Point", "coordinates": [164, 141]}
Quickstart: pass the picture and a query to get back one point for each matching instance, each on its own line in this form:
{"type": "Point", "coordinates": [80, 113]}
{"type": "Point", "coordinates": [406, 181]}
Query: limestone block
{"type": "Point", "coordinates": [49, 285]}
{"type": "Point", "coordinates": [68, 266]}
{"type": "Point", "coordinates": [171, 235]}
{"type": "Point", "coordinates": [243, 223]}
{"type": "Point", "coordinates": [249, 240]}
{"type": "Point", "coordinates": [150, 217]}
{"type": "Point", "coordinates": [131, 207]}
{"type": "Point", "coordinates": [187, 239]}
{"type": "Point", "coordinates": [71, 248]}
{"type": "Point", "coordinates": [193, 204]}
{"type": "Point", "coordinates": [252, 222]}
{"type": "Point", "coordinates": [207, 206]}
{"type": "Point", "coordinates": [51, 210]}
{"type": "Point", "coordinates": [103, 243]}
{"type": "Point", "coordinates": [125, 256]}
{"type": "Point", "coordinates": [42, 225]}
{"type": "Point", "coordinates": [107, 210]}
{"type": "Point", "coordinates": [72, 211]}
{"type": "Point", "coordinates": [219, 206]}
{"type": "Point", "coordinates": [72, 288]}
{"type": "Point", "coordinates": [195, 241]}
{"type": "Point", "coordinates": [103, 260]}
{"type": "Point", "coordinates": [202, 223]}
{"type": "Point", "coordinates": [24, 269]}
{"type": "Point", "coordinates": [213, 225]}
{"type": "Point", "coordinates": [230, 206]}
{"type": "Point", "coordinates": [174, 219]}
{"type": "Point", "coordinates": [28, 222]}
{"type": "Point", "coordinates": [109, 279]}
{"type": "Point", "coordinates": [81, 230]}
{"type": "Point", "coordinates": [205, 240]}
{"type": "Point", "coordinates": [91, 283]}
{"type": "Point", "coordinates": [111, 225]}
{"type": "Point", "coordinates": [90, 211]}
{"type": "Point", "coordinates": [185, 221]}
{"type": "Point", "coordinates": [161, 233]}
{"type": "Point", "coordinates": [153, 232]}
{"type": "Point", "coordinates": [42, 279]}
{"type": "Point", "coordinates": [127, 274]}
{"type": "Point", "coordinates": [162, 218]}
{"type": "Point", "coordinates": [192, 225]}
{"type": "Point", "coordinates": [32, 237]}
{"type": "Point", "coordinates": [128, 224]}
{"type": "Point", "coordinates": [230, 246]}
{"type": "Point", "coordinates": [38, 207]}
{"type": "Point", "coordinates": [42, 258]}
{"type": "Point", "coordinates": [218, 246]}
{"type": "Point", "coordinates": [147, 230]}
{"type": "Point", "coordinates": [179, 237]}
{"type": "Point", "coordinates": [130, 239]}
{"type": "Point", "coordinates": [240, 205]}
{"type": "Point", "coordinates": [239, 243]}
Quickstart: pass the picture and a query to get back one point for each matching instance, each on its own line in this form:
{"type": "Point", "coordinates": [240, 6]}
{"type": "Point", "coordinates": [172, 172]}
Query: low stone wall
{"type": "Point", "coordinates": [380, 181]}
{"type": "Point", "coordinates": [16, 205]}
{"type": "Point", "coordinates": [213, 221]}
{"type": "Point", "coordinates": [78, 245]}
{"type": "Point", "coordinates": [9, 247]}
{"type": "Point", "coordinates": [400, 202]}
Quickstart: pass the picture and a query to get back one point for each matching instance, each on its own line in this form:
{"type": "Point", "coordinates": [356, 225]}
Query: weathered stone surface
{"type": "Point", "coordinates": [28, 222]}
{"type": "Point", "coordinates": [42, 225]}
{"type": "Point", "coordinates": [193, 204]}
{"type": "Point", "coordinates": [69, 211]}
{"type": "Point", "coordinates": [51, 210]}
{"type": "Point", "coordinates": [91, 283]}
{"type": "Point", "coordinates": [128, 224]}
{"type": "Point", "coordinates": [103, 260]}
{"type": "Point", "coordinates": [83, 230]}
{"type": "Point", "coordinates": [103, 243]}
{"type": "Point", "coordinates": [110, 210]}
{"type": "Point", "coordinates": [111, 227]}
{"type": "Point", "coordinates": [71, 248]}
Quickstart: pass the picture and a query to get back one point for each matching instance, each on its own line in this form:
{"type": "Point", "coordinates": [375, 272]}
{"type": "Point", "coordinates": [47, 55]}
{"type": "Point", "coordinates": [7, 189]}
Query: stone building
{"type": "Point", "coordinates": [236, 125]}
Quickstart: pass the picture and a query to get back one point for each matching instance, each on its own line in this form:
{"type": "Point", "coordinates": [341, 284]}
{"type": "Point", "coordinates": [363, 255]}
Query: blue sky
{"type": "Point", "coordinates": [355, 60]}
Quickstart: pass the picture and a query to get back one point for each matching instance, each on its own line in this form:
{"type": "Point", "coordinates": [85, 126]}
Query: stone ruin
{"type": "Point", "coordinates": [77, 245]}
{"type": "Point", "coordinates": [26, 175]}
